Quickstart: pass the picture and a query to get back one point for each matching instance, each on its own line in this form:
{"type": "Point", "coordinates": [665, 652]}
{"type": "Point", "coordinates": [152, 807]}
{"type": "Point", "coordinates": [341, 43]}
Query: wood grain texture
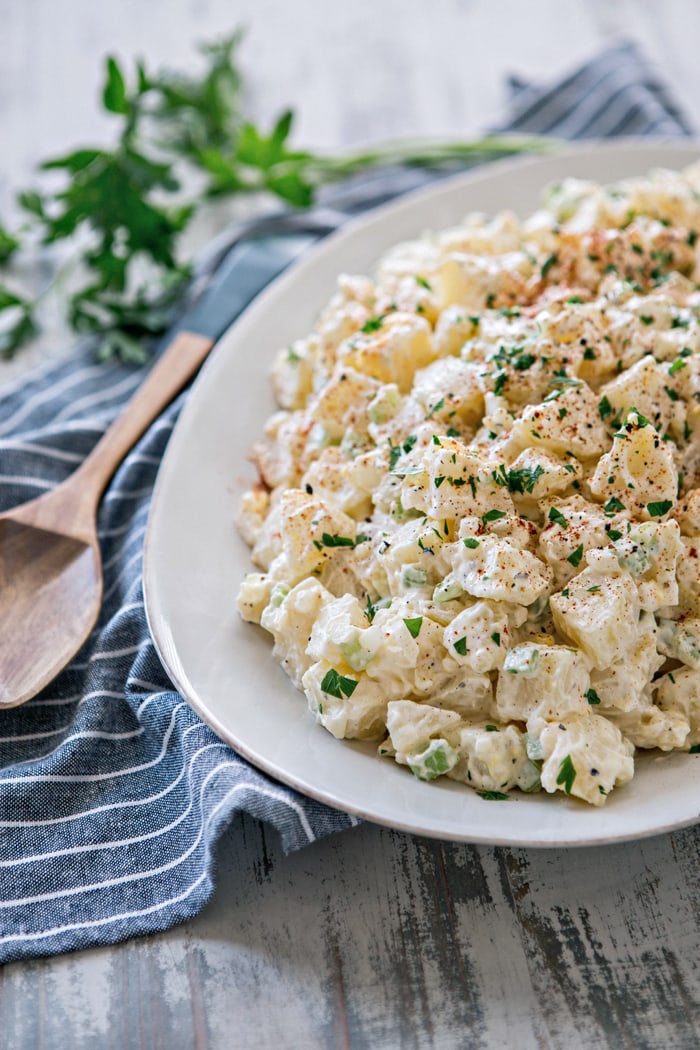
{"type": "Point", "coordinates": [371, 939]}
{"type": "Point", "coordinates": [379, 939]}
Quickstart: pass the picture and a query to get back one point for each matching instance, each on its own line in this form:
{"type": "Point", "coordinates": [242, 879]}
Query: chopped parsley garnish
{"type": "Point", "coordinates": [372, 325]}
{"type": "Point", "coordinates": [589, 354]}
{"type": "Point", "coordinates": [614, 535]}
{"type": "Point", "coordinates": [523, 362]}
{"type": "Point", "coordinates": [491, 729]}
{"type": "Point", "coordinates": [423, 283]}
{"type": "Point", "coordinates": [676, 366]}
{"type": "Point", "coordinates": [496, 638]}
{"type": "Point", "coordinates": [558, 517]}
{"type": "Point", "coordinates": [396, 450]}
{"type": "Point", "coordinates": [500, 382]}
{"type": "Point", "coordinates": [574, 299]}
{"type": "Point", "coordinates": [567, 774]}
{"type": "Point", "coordinates": [471, 543]}
{"type": "Point", "coordinates": [613, 505]}
{"type": "Point", "coordinates": [438, 480]}
{"type": "Point", "coordinates": [494, 796]}
{"type": "Point", "coordinates": [604, 407]}
{"type": "Point", "coordinates": [499, 476]}
{"type": "Point", "coordinates": [592, 696]}
{"type": "Point", "coordinates": [671, 393]}
{"type": "Point", "coordinates": [437, 407]}
{"type": "Point", "coordinates": [645, 319]}
{"type": "Point", "coordinates": [460, 646]}
{"type": "Point", "coordinates": [660, 507]}
{"type": "Point", "coordinates": [413, 625]}
{"type": "Point", "coordinates": [492, 515]}
{"type": "Point", "coordinates": [370, 610]}
{"type": "Point", "coordinates": [547, 265]}
{"type": "Point", "coordinates": [337, 685]}
{"type": "Point", "coordinates": [329, 539]}
{"type": "Point", "coordinates": [694, 750]}
{"type": "Point", "coordinates": [524, 480]}
{"type": "Point", "coordinates": [642, 421]}
{"type": "Point", "coordinates": [575, 557]}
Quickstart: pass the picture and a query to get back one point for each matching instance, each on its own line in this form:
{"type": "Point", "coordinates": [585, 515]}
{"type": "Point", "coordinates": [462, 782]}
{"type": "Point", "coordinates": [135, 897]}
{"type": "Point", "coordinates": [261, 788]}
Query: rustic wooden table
{"type": "Point", "coordinates": [372, 938]}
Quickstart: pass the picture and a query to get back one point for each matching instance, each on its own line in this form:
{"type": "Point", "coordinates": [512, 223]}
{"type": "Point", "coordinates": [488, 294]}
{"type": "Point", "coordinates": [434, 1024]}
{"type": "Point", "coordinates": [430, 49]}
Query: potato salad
{"type": "Point", "coordinates": [477, 520]}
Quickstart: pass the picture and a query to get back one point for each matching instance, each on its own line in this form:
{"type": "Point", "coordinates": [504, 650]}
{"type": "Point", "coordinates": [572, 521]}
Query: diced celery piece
{"type": "Point", "coordinates": [522, 660]}
{"type": "Point", "coordinates": [279, 593]}
{"type": "Point", "coordinates": [355, 654]}
{"type": "Point", "coordinates": [434, 761]}
{"type": "Point", "coordinates": [446, 591]}
{"type": "Point", "coordinates": [413, 577]}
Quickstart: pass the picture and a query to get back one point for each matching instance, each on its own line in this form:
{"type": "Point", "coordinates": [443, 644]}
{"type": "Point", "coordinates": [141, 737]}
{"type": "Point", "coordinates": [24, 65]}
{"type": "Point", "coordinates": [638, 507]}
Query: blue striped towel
{"type": "Point", "coordinates": [112, 791]}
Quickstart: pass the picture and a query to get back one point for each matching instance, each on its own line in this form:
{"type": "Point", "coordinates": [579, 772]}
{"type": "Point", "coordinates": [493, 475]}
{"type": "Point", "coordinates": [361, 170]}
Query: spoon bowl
{"type": "Point", "coordinates": [50, 590]}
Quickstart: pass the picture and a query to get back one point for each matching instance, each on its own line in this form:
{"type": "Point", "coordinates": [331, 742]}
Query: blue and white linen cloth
{"type": "Point", "coordinates": [112, 791]}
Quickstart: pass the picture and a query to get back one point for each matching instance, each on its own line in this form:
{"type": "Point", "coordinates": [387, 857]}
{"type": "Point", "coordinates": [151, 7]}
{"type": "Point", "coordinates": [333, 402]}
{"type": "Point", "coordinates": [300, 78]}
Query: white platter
{"type": "Point", "coordinates": [194, 559]}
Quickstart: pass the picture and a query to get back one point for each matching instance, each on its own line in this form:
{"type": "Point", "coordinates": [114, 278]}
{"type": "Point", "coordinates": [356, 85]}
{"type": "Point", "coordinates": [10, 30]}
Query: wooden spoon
{"type": "Point", "coordinates": [50, 567]}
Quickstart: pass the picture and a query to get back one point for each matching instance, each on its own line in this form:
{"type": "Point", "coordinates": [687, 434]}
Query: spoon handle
{"type": "Point", "coordinates": [166, 379]}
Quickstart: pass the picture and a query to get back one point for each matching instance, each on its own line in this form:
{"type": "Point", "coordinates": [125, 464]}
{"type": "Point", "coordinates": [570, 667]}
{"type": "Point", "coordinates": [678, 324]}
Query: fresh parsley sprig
{"type": "Point", "coordinates": [123, 208]}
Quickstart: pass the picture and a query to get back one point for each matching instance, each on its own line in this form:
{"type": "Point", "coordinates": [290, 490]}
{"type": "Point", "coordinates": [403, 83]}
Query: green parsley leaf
{"type": "Point", "coordinates": [496, 638]}
{"type": "Point", "coordinates": [592, 696]}
{"type": "Point", "coordinates": [470, 542]}
{"type": "Point", "coordinates": [423, 283]}
{"type": "Point", "coordinates": [604, 408]}
{"type": "Point", "coordinates": [547, 265]}
{"type": "Point", "coordinates": [614, 535]}
{"type": "Point", "coordinates": [575, 557]}
{"type": "Point", "coordinates": [694, 750]}
{"type": "Point", "coordinates": [460, 646]}
{"type": "Point", "coordinates": [660, 507]}
{"type": "Point", "coordinates": [523, 362]}
{"type": "Point", "coordinates": [492, 515]}
{"type": "Point", "coordinates": [557, 516]}
{"type": "Point", "coordinates": [567, 774]}
{"type": "Point", "coordinates": [493, 796]}
{"type": "Point", "coordinates": [437, 407]}
{"type": "Point", "coordinates": [336, 684]}
{"type": "Point", "coordinates": [613, 505]}
{"type": "Point", "coordinates": [524, 479]}
{"type": "Point", "coordinates": [114, 91]}
{"type": "Point", "coordinates": [373, 324]}
{"type": "Point", "coordinates": [413, 625]}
